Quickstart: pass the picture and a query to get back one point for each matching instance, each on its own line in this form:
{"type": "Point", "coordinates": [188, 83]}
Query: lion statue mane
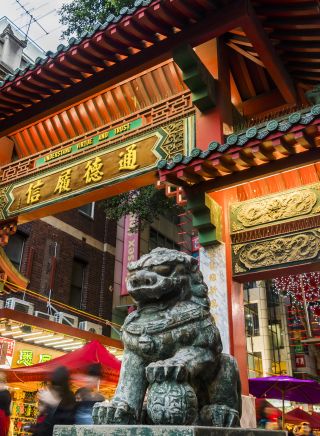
{"type": "Point", "coordinates": [173, 369]}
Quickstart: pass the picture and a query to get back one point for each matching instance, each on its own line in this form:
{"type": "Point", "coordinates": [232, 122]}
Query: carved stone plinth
{"type": "Point", "coordinates": [157, 430]}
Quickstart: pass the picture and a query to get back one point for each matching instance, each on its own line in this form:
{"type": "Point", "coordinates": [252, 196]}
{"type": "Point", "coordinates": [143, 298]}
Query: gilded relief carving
{"type": "Point", "coordinates": [174, 142]}
{"type": "Point", "coordinates": [3, 201]}
{"type": "Point", "coordinates": [276, 251]}
{"type": "Point", "coordinates": [280, 207]}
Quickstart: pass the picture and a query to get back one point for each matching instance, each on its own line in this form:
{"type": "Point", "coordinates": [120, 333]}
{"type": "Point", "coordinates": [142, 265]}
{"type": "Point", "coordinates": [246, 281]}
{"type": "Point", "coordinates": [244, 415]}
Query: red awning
{"type": "Point", "coordinates": [296, 416]}
{"type": "Point", "coordinates": [76, 361]}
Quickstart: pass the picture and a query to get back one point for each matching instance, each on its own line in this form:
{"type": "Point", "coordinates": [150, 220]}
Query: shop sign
{"type": "Point", "coordinates": [29, 354]}
{"type": "Point", "coordinates": [6, 352]}
{"type": "Point", "coordinates": [130, 250]}
{"type": "Point", "coordinates": [25, 358]}
{"type": "Point", "coordinates": [300, 361]}
{"type": "Point", "coordinates": [298, 349]}
{"type": "Point", "coordinates": [102, 137]}
{"type": "Point", "coordinates": [29, 357]}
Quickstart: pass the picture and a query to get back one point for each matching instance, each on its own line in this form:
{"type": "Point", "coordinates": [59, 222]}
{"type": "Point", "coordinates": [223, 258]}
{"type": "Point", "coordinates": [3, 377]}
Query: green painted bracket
{"type": "Point", "coordinates": [313, 96]}
{"type": "Point", "coordinates": [207, 218]}
{"type": "Point", "coordinates": [197, 77]}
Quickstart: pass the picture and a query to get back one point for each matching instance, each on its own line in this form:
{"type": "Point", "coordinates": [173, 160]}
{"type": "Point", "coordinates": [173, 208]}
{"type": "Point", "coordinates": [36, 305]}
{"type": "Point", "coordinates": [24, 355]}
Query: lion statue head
{"type": "Point", "coordinates": [165, 274]}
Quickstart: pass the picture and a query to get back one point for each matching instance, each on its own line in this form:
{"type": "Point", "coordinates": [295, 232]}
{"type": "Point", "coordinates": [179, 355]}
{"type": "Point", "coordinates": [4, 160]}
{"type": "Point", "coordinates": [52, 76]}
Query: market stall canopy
{"type": "Point", "coordinates": [286, 388]}
{"type": "Point", "coordinates": [296, 416]}
{"type": "Point", "coordinates": [76, 361]}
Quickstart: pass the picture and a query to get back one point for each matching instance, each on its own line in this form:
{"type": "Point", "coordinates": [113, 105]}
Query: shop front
{"type": "Point", "coordinates": [16, 354]}
{"type": "Point", "coordinates": [25, 341]}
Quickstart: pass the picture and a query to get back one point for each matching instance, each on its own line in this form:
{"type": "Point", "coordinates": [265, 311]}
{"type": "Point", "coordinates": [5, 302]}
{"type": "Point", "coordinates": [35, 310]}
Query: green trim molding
{"type": "Point", "coordinates": [206, 218]}
{"type": "Point", "coordinates": [260, 132]}
{"type": "Point", "coordinates": [197, 77]}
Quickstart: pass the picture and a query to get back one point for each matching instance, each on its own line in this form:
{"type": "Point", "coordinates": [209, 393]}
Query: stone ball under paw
{"type": "Point", "coordinates": [172, 403]}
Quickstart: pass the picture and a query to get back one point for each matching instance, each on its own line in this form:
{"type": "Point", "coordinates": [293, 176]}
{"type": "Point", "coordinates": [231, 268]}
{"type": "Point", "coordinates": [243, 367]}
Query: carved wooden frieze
{"type": "Point", "coordinates": [280, 207]}
{"type": "Point", "coordinates": [275, 252]}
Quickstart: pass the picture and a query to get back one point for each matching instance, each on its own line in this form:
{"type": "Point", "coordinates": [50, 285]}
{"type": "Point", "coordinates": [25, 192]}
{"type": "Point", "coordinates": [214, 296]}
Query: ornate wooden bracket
{"type": "Point", "coordinates": [196, 76]}
{"type": "Point", "coordinates": [7, 229]}
{"type": "Point", "coordinates": [206, 217]}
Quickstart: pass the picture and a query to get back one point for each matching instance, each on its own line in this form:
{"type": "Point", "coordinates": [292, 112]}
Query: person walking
{"type": "Point", "coordinates": [305, 429]}
{"type": "Point", "coordinates": [60, 402]}
{"type": "Point", "coordinates": [88, 395]}
{"type": "Point", "coordinates": [85, 403]}
{"type": "Point", "coordinates": [5, 406]}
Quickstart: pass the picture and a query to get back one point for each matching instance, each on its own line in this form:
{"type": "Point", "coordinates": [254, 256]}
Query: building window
{"type": "Point", "coordinates": [157, 239]}
{"type": "Point", "coordinates": [14, 249]}
{"type": "Point", "coordinates": [87, 210]}
{"type": "Point", "coordinates": [250, 285]}
{"type": "Point", "coordinates": [252, 319]}
{"type": "Point", "coordinates": [276, 335]}
{"type": "Point", "coordinates": [273, 298]}
{"type": "Point", "coordinates": [255, 367]}
{"type": "Point", "coordinates": [77, 282]}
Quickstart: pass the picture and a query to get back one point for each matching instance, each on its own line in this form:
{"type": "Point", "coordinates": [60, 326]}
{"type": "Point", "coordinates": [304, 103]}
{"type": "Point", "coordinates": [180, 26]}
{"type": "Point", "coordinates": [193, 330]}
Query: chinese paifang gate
{"type": "Point", "coordinates": [196, 98]}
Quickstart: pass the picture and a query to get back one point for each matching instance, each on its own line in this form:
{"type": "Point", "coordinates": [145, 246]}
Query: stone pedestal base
{"type": "Point", "coordinates": [150, 430]}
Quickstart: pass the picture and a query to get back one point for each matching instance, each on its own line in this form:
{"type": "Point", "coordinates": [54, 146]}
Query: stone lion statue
{"type": "Point", "coordinates": [173, 369]}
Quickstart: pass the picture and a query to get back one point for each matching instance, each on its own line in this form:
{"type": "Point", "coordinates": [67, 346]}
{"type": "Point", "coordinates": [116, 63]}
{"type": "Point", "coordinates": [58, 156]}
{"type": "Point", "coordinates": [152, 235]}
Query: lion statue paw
{"type": "Point", "coordinates": [219, 416]}
{"type": "Point", "coordinates": [166, 370]}
{"type": "Point", "coordinates": [115, 412]}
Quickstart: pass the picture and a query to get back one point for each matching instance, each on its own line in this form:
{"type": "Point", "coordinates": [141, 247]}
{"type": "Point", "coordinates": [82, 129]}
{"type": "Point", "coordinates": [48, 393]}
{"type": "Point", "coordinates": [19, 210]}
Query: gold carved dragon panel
{"type": "Point", "coordinates": [280, 207]}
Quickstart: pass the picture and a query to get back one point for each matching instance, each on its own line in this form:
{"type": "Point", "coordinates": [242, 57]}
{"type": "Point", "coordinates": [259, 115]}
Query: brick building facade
{"type": "Point", "coordinates": [71, 255]}
{"type": "Point", "coordinates": [68, 257]}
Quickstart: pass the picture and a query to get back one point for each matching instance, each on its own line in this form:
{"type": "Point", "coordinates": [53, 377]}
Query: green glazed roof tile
{"type": "Point", "coordinates": [261, 131]}
{"type": "Point", "coordinates": [111, 19]}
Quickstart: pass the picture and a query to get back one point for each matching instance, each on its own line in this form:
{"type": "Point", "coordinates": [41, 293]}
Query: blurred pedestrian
{"type": "Point", "coordinates": [268, 417]}
{"type": "Point", "coordinates": [59, 401]}
{"type": "Point", "coordinates": [93, 379]}
{"type": "Point", "coordinates": [88, 395]}
{"type": "Point", "coordinates": [5, 406]}
{"type": "Point", "coordinates": [305, 429]}
{"type": "Point", "coordinates": [84, 406]}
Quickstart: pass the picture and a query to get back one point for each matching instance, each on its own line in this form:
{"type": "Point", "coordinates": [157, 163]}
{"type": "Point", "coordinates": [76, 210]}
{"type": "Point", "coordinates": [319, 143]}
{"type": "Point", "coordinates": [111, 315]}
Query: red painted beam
{"type": "Point", "coordinates": [263, 46]}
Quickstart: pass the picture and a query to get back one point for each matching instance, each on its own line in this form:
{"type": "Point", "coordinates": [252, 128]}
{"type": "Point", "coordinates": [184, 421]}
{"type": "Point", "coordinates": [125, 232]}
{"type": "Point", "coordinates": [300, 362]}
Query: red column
{"type": "Point", "coordinates": [214, 124]}
{"type": "Point", "coordinates": [238, 346]}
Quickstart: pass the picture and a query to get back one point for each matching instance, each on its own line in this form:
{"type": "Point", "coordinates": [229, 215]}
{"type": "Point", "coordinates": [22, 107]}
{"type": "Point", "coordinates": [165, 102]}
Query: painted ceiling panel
{"type": "Point", "coordinates": [114, 103]}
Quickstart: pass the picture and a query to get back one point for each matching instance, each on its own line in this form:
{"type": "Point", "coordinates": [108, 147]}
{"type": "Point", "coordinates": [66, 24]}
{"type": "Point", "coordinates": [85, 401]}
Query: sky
{"type": "Point", "coordinates": [45, 11]}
